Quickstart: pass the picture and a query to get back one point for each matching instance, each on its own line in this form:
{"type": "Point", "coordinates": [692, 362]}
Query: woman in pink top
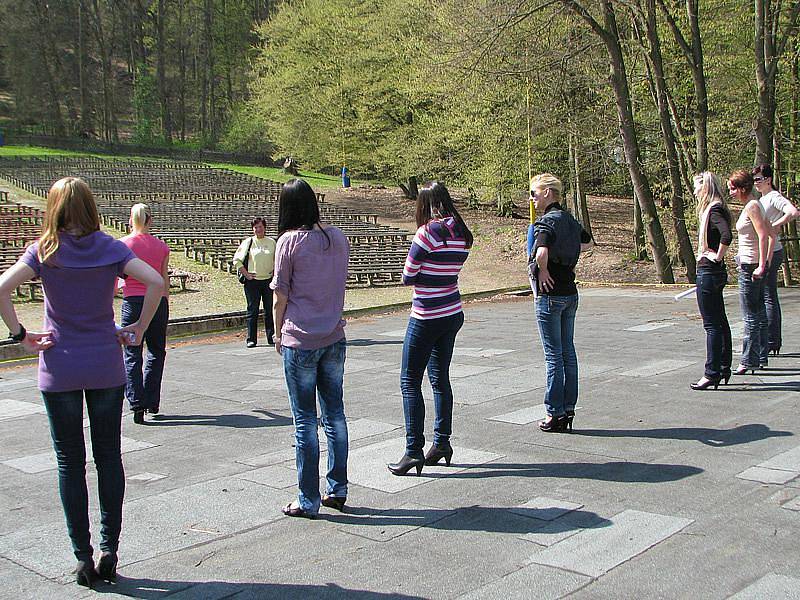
{"type": "Point", "coordinates": [143, 388]}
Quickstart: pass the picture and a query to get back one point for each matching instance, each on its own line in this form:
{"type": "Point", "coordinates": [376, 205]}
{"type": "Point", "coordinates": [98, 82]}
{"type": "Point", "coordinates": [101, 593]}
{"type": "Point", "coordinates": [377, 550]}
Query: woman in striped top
{"type": "Point", "coordinates": [440, 247]}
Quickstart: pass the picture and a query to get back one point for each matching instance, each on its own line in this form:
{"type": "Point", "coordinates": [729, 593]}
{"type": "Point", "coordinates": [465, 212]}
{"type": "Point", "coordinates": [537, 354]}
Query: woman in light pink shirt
{"type": "Point", "coordinates": [143, 386]}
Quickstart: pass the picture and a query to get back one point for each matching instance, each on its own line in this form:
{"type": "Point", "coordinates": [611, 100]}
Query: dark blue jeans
{"type": "Point", "coordinates": [710, 283]}
{"type": "Point", "coordinates": [65, 411]}
{"type": "Point", "coordinates": [258, 293]}
{"type": "Point", "coordinates": [772, 304]}
{"type": "Point", "coordinates": [143, 388]}
{"type": "Point", "coordinates": [555, 316]}
{"type": "Point", "coordinates": [428, 343]}
{"type": "Point", "coordinates": [312, 374]}
{"type": "Point", "coordinates": [754, 313]}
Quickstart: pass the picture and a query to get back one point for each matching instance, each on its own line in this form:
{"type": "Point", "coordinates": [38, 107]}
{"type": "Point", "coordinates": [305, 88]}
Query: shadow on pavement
{"type": "Point", "coordinates": [743, 434]}
{"type": "Point", "coordinates": [236, 421]}
{"type": "Point", "coordinates": [371, 342]}
{"type": "Point", "coordinates": [472, 518]}
{"type": "Point", "coordinates": [154, 589]}
{"type": "Point", "coordinates": [624, 472]}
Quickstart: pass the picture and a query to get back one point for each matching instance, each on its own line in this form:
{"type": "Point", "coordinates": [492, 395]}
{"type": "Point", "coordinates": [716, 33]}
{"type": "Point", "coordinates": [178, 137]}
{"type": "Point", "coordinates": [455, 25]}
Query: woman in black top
{"type": "Point", "coordinates": [715, 236]}
{"type": "Point", "coordinates": [559, 241]}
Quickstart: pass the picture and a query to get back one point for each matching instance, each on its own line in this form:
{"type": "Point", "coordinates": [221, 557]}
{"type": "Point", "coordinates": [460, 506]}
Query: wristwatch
{"type": "Point", "coordinates": [18, 337]}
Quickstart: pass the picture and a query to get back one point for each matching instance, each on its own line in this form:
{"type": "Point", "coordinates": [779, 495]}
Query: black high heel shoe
{"type": "Point", "coordinates": [570, 416]}
{"type": "Point", "coordinates": [742, 370]}
{"type": "Point", "coordinates": [138, 417]}
{"type": "Point", "coordinates": [437, 453]}
{"type": "Point", "coordinates": [85, 574]}
{"type": "Point", "coordinates": [775, 351]}
{"type": "Point", "coordinates": [554, 424]}
{"type": "Point", "coordinates": [406, 464]}
{"type": "Point", "coordinates": [107, 566]}
{"type": "Point", "coordinates": [704, 385]}
{"type": "Point", "coordinates": [726, 375]}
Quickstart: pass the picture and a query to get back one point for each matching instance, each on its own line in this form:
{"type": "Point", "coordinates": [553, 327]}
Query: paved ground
{"type": "Point", "coordinates": [661, 492]}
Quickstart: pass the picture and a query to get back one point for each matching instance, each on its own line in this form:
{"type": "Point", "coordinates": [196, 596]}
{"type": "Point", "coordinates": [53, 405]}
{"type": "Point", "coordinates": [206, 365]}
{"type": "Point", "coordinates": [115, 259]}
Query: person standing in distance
{"type": "Point", "coordinates": [254, 262]}
{"type": "Point", "coordinates": [779, 211]}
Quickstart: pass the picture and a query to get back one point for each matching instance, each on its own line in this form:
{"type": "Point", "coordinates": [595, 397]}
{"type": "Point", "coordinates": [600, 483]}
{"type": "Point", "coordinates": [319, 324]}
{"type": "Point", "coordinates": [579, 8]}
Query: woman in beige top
{"type": "Point", "coordinates": [755, 251]}
{"type": "Point", "coordinates": [254, 261]}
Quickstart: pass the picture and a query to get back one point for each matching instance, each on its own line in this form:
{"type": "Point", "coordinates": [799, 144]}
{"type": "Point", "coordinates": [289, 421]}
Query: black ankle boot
{"type": "Point", "coordinates": [85, 574]}
{"type": "Point", "coordinates": [107, 566]}
{"type": "Point", "coordinates": [406, 464]}
{"type": "Point", "coordinates": [437, 453]}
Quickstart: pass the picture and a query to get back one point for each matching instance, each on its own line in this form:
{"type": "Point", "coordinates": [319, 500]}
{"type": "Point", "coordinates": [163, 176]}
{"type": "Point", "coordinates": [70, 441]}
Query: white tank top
{"type": "Point", "coordinates": [748, 238]}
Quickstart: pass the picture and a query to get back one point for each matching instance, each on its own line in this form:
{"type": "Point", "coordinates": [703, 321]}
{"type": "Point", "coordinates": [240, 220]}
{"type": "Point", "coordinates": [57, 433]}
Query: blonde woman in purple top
{"type": "Point", "coordinates": [309, 280]}
{"type": "Point", "coordinates": [438, 251]}
{"type": "Point", "coordinates": [80, 356]}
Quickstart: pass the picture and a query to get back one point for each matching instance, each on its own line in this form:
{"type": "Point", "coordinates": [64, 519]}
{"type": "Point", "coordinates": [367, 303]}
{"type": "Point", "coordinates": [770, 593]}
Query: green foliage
{"type": "Point", "coordinates": [146, 125]}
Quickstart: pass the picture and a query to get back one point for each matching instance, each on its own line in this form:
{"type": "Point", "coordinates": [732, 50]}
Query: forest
{"type": "Point", "coordinates": [615, 96]}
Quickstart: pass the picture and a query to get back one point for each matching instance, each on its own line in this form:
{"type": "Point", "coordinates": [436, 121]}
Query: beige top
{"type": "Point", "coordinates": [748, 237]}
{"type": "Point", "coordinates": [262, 256]}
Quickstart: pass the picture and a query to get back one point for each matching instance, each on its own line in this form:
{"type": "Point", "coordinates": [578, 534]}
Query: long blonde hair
{"type": "Point", "coordinates": [140, 216]}
{"type": "Point", "coordinates": [70, 205]}
{"type": "Point", "coordinates": [708, 190]}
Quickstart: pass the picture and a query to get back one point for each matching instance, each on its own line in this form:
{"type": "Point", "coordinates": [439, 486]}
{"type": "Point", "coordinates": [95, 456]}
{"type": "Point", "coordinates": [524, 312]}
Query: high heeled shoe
{"type": "Point", "coordinates": [742, 370]}
{"type": "Point", "coordinates": [437, 453]}
{"type": "Point", "coordinates": [705, 383]}
{"type": "Point", "coordinates": [107, 566]}
{"type": "Point", "coordinates": [138, 417]}
{"type": "Point", "coordinates": [85, 574]}
{"type": "Point", "coordinates": [406, 464]}
{"type": "Point", "coordinates": [569, 416]}
{"type": "Point", "coordinates": [554, 424]}
{"type": "Point", "coordinates": [775, 351]}
{"type": "Point", "coordinates": [726, 375]}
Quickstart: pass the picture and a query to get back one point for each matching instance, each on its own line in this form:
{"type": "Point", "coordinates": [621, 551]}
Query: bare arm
{"type": "Point", "coordinates": [165, 274]}
{"type": "Point", "coordinates": [154, 281]}
{"type": "Point", "coordinates": [279, 302]}
{"type": "Point", "coordinates": [765, 238]}
{"type": "Point", "coordinates": [9, 281]}
{"type": "Point", "coordinates": [790, 213]}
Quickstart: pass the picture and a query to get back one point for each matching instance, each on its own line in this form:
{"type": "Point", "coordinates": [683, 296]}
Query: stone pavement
{"type": "Point", "coordinates": [661, 492]}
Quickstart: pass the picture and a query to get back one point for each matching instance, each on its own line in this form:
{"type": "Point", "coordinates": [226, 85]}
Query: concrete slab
{"type": "Point", "coordinates": [46, 461]}
{"type": "Point", "coordinates": [653, 326]}
{"type": "Point", "coordinates": [523, 416]}
{"type": "Point", "coordinates": [785, 461]}
{"type": "Point", "coordinates": [533, 581]}
{"type": "Point", "coordinates": [772, 586]}
{"type": "Point", "coordinates": [13, 409]}
{"type": "Point", "coordinates": [763, 475]}
{"type": "Point", "coordinates": [657, 367]}
{"type": "Point", "coordinates": [596, 551]}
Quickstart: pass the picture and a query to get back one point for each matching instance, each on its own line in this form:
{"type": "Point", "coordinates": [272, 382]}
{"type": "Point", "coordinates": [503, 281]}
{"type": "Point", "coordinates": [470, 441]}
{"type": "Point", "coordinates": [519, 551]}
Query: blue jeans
{"type": "Point", "coordinates": [65, 412]}
{"type": "Point", "coordinates": [143, 389]}
{"type": "Point", "coordinates": [772, 304]}
{"type": "Point", "coordinates": [312, 374]}
{"type": "Point", "coordinates": [428, 343]}
{"type": "Point", "coordinates": [719, 351]}
{"type": "Point", "coordinates": [754, 313]}
{"type": "Point", "coordinates": [556, 318]}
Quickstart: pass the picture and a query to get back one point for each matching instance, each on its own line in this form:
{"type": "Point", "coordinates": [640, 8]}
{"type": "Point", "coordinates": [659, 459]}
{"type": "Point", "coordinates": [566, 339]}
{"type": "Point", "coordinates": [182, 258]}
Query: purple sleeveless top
{"type": "Point", "coordinates": [79, 286]}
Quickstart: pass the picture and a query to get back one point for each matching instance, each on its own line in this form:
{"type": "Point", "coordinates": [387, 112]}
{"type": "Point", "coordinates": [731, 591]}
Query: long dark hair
{"type": "Point", "coordinates": [298, 208]}
{"type": "Point", "coordinates": [434, 201]}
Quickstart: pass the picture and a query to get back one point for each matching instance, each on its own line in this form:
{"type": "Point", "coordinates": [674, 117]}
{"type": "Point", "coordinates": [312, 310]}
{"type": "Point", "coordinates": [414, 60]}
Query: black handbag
{"type": "Point", "coordinates": [245, 262]}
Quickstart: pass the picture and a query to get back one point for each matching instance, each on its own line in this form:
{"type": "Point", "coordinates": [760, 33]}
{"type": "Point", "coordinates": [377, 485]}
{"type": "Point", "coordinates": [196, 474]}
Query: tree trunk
{"type": "Point", "coordinates": [670, 146]}
{"type": "Point", "coordinates": [161, 78]}
{"type": "Point", "coordinates": [769, 45]}
{"type": "Point", "coordinates": [581, 208]}
{"type": "Point", "coordinates": [609, 33]}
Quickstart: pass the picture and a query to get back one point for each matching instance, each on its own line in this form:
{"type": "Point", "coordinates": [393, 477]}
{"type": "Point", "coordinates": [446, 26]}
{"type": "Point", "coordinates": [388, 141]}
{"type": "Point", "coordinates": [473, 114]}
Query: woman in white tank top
{"type": "Point", "coordinates": [755, 251]}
